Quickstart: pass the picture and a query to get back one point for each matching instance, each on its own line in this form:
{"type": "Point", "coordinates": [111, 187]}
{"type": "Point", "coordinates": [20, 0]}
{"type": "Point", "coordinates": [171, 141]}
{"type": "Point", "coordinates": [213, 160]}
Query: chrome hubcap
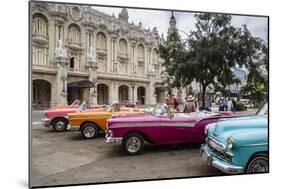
{"type": "Point", "coordinates": [259, 166]}
{"type": "Point", "coordinates": [89, 132]}
{"type": "Point", "coordinates": [60, 125]}
{"type": "Point", "coordinates": [133, 144]}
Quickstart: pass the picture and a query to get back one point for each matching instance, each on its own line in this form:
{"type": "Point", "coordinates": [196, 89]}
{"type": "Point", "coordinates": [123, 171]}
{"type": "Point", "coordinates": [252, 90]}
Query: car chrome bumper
{"type": "Point", "coordinates": [117, 140]}
{"type": "Point", "coordinates": [46, 122]}
{"type": "Point", "coordinates": [213, 161]}
{"type": "Point", "coordinates": [72, 128]}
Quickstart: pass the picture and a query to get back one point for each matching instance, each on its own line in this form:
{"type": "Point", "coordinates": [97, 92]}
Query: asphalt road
{"type": "Point", "coordinates": [67, 158]}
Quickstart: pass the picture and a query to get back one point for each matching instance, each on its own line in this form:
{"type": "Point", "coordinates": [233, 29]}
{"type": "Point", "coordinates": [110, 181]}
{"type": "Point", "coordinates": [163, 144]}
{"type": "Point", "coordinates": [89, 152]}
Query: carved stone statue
{"type": "Point", "coordinates": [91, 55]}
{"type": "Point", "coordinates": [60, 50]}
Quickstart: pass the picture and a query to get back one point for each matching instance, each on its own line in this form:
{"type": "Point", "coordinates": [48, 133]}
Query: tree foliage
{"type": "Point", "coordinates": [211, 51]}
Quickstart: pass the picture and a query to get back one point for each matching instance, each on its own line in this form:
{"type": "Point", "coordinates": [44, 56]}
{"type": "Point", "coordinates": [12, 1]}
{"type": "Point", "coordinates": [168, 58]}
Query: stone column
{"type": "Point", "coordinates": [135, 94]}
{"type": "Point", "coordinates": [61, 79]}
{"type": "Point", "coordinates": [151, 96]}
{"type": "Point", "coordinates": [133, 55]}
{"type": "Point", "coordinates": [132, 93]}
{"type": "Point", "coordinates": [114, 91]}
{"type": "Point", "coordinates": [113, 53]}
{"type": "Point", "coordinates": [92, 70]}
{"type": "Point", "coordinates": [108, 49]}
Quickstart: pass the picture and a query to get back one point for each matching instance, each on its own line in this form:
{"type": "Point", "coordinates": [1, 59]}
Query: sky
{"type": "Point", "coordinates": [185, 20]}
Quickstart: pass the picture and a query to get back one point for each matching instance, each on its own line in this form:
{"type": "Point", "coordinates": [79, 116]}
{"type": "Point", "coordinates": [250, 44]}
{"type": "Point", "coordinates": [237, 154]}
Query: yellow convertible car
{"type": "Point", "coordinates": [92, 123]}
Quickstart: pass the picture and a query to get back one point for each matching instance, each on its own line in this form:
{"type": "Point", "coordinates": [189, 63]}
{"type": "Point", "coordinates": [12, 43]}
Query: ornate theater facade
{"type": "Point", "coordinates": [81, 53]}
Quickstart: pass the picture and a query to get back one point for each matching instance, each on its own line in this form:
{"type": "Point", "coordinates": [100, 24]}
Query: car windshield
{"type": "Point", "coordinates": [114, 107]}
{"type": "Point", "coordinates": [263, 109]}
{"type": "Point", "coordinates": [161, 110]}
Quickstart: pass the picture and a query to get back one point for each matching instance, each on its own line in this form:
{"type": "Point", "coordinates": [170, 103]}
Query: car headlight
{"type": "Point", "coordinates": [109, 133]}
{"type": "Point", "coordinates": [230, 143]}
{"type": "Point", "coordinates": [206, 130]}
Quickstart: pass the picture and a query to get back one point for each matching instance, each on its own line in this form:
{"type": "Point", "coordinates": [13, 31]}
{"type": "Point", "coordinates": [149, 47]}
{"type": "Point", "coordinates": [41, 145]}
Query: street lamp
{"type": "Point", "coordinates": [64, 78]}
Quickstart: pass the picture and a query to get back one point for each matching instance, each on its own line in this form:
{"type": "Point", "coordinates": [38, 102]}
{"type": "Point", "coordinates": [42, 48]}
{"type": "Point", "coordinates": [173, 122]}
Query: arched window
{"type": "Point", "coordinates": [74, 33]}
{"type": "Point", "coordinates": [39, 25]}
{"type": "Point", "coordinates": [123, 46]}
{"type": "Point", "coordinates": [101, 41]}
{"type": "Point", "coordinates": [155, 56]}
{"type": "Point", "coordinates": [140, 51]}
{"type": "Point", "coordinates": [71, 62]}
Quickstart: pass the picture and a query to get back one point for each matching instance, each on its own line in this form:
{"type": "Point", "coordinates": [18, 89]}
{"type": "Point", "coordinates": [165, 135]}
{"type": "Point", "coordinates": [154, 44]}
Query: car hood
{"type": "Point", "coordinates": [234, 126]}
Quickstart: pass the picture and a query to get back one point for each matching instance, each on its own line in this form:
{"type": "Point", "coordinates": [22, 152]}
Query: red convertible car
{"type": "Point", "coordinates": [162, 127]}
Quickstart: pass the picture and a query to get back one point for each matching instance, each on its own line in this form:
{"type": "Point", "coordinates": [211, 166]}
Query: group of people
{"type": "Point", "coordinates": [81, 105]}
{"type": "Point", "coordinates": [190, 104]}
{"type": "Point", "coordinates": [227, 104]}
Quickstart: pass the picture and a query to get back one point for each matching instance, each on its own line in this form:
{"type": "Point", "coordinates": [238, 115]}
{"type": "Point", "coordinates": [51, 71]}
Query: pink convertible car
{"type": "Point", "coordinates": [162, 127]}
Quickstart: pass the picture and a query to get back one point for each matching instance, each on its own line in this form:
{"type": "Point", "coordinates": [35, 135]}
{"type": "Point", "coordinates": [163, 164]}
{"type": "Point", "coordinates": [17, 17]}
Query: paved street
{"type": "Point", "coordinates": [66, 158]}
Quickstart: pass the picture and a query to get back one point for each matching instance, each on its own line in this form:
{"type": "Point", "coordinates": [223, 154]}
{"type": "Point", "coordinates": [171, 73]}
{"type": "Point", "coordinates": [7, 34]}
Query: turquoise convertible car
{"type": "Point", "coordinates": [238, 145]}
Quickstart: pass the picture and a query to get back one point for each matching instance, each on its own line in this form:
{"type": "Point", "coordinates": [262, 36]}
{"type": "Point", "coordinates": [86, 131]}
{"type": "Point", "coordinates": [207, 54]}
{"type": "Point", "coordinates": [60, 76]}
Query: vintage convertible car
{"type": "Point", "coordinates": [57, 116]}
{"type": "Point", "coordinates": [162, 127]}
{"type": "Point", "coordinates": [238, 145]}
{"type": "Point", "coordinates": [91, 123]}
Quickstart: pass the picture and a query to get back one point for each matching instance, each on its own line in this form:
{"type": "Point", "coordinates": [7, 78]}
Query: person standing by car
{"type": "Point", "coordinates": [76, 103]}
{"type": "Point", "coordinates": [221, 105]}
{"type": "Point", "coordinates": [189, 105]}
{"type": "Point", "coordinates": [233, 105]}
{"type": "Point", "coordinates": [207, 104]}
{"type": "Point", "coordinates": [225, 103]}
{"type": "Point", "coordinates": [229, 104]}
{"type": "Point", "coordinates": [180, 104]}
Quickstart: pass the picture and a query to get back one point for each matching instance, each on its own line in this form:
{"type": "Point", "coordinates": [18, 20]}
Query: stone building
{"type": "Point", "coordinates": [81, 53]}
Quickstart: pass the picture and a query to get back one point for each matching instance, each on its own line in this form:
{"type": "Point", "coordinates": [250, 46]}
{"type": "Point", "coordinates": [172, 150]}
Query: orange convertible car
{"type": "Point", "coordinates": [92, 123]}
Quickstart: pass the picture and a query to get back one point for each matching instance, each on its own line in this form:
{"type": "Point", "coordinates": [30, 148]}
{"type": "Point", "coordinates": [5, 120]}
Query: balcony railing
{"type": "Point", "coordinates": [44, 68]}
{"type": "Point", "coordinates": [39, 38]}
{"type": "Point", "coordinates": [101, 52]}
{"type": "Point", "coordinates": [140, 60]}
{"type": "Point", "coordinates": [74, 45]}
{"type": "Point", "coordinates": [123, 57]}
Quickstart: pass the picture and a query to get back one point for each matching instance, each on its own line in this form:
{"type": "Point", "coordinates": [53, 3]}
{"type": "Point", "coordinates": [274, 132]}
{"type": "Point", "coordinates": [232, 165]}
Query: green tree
{"type": "Point", "coordinates": [173, 52]}
{"type": "Point", "coordinates": [210, 52]}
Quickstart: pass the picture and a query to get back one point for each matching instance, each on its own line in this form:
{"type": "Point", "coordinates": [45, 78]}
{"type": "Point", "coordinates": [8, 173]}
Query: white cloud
{"type": "Point", "coordinates": [185, 20]}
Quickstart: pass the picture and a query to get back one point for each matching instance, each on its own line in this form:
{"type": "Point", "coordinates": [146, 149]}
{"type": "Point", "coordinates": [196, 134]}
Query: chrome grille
{"type": "Point", "coordinates": [218, 149]}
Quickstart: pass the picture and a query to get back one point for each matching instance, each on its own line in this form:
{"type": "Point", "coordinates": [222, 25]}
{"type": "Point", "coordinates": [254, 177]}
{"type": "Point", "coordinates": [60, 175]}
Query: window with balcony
{"type": "Point", "coordinates": [74, 37]}
{"type": "Point", "coordinates": [123, 50]}
{"type": "Point", "coordinates": [155, 56]}
{"type": "Point", "coordinates": [39, 28]}
{"type": "Point", "coordinates": [101, 44]}
{"type": "Point", "coordinates": [140, 54]}
{"type": "Point", "coordinates": [39, 55]}
{"type": "Point", "coordinates": [74, 33]}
